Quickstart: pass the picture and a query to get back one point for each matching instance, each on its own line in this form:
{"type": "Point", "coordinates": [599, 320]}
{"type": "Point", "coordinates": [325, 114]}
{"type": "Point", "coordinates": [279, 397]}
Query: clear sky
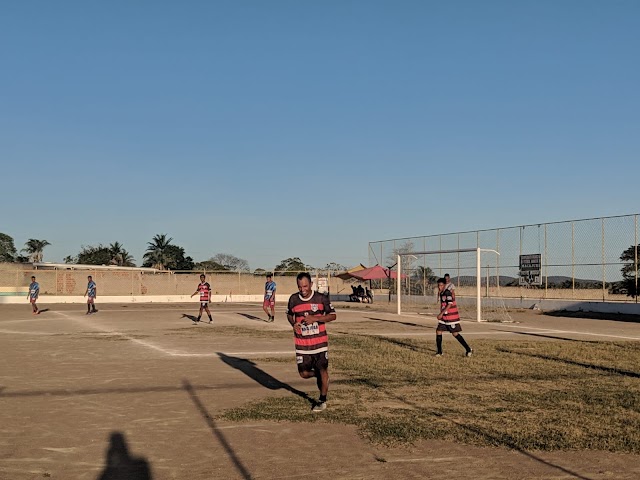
{"type": "Point", "coordinates": [274, 129]}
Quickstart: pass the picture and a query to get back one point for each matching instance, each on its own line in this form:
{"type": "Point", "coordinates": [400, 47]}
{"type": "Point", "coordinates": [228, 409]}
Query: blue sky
{"type": "Point", "coordinates": [292, 128]}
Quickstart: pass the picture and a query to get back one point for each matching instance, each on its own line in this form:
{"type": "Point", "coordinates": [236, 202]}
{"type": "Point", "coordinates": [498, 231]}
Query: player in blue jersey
{"type": "Point", "coordinates": [269, 303]}
{"type": "Point", "coordinates": [34, 293]}
{"type": "Point", "coordinates": [90, 293]}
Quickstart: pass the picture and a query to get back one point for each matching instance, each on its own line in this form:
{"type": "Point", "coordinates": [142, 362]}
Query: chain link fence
{"type": "Point", "coordinates": [580, 259]}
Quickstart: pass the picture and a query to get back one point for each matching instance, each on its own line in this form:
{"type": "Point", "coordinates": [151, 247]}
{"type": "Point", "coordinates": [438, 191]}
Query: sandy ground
{"type": "Point", "coordinates": [136, 386]}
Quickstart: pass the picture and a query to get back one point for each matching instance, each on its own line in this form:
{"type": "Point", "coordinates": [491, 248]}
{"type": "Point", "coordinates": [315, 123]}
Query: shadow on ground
{"type": "Point", "coordinates": [251, 317]}
{"type": "Point", "coordinates": [120, 465]}
{"type": "Point", "coordinates": [616, 317]}
{"type": "Point", "coordinates": [250, 369]}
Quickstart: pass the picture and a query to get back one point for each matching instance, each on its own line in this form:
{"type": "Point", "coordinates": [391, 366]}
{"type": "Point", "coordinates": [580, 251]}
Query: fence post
{"type": "Point", "coordinates": [573, 261]}
{"type": "Point", "coordinates": [604, 274]}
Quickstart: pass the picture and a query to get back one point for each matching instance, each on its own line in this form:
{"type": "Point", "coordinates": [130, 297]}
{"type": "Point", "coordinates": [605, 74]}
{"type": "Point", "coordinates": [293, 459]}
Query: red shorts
{"type": "Point", "coordinates": [269, 302]}
{"type": "Point", "coordinates": [90, 299]}
{"type": "Point", "coordinates": [33, 300]}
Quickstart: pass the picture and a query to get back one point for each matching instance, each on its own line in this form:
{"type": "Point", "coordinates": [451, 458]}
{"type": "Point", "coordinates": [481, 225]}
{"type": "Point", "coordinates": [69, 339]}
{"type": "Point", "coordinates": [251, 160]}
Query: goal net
{"type": "Point", "coordinates": [474, 274]}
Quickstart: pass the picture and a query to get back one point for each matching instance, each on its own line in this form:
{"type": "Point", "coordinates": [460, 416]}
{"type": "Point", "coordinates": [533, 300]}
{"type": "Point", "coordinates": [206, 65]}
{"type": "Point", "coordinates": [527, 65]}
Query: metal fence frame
{"type": "Point", "coordinates": [584, 250]}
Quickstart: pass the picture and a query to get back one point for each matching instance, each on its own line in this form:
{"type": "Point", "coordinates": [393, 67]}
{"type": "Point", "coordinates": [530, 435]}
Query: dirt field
{"type": "Point", "coordinates": [141, 387]}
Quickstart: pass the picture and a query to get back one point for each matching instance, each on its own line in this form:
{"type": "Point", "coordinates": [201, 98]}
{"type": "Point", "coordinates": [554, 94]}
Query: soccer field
{"type": "Point", "coordinates": [142, 387]}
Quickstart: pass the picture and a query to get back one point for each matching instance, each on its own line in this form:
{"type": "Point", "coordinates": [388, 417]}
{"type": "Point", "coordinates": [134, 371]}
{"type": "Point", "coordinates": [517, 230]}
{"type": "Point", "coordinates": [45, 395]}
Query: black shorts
{"type": "Point", "coordinates": [315, 361]}
{"type": "Point", "coordinates": [443, 327]}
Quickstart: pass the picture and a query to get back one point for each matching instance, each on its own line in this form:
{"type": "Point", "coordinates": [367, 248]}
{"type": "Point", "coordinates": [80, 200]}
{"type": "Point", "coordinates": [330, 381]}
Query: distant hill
{"type": "Point", "coordinates": [552, 281]}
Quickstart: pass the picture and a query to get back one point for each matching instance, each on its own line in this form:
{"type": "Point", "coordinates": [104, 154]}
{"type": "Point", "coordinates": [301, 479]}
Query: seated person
{"type": "Point", "coordinates": [369, 296]}
{"type": "Point", "coordinates": [354, 296]}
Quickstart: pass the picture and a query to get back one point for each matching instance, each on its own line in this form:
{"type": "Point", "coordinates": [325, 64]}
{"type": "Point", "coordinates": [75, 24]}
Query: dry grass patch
{"type": "Point", "coordinates": [519, 394]}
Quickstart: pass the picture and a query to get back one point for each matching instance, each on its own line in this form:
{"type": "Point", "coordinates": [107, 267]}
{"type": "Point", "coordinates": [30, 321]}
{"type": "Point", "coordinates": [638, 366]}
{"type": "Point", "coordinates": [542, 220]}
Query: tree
{"type": "Point", "coordinates": [7, 248]}
{"type": "Point", "coordinates": [423, 278]}
{"type": "Point", "coordinates": [629, 270]}
{"type": "Point", "coordinates": [336, 267]}
{"type": "Point", "coordinates": [34, 248]}
{"type": "Point", "coordinates": [157, 252]}
{"type": "Point", "coordinates": [119, 256]}
{"type": "Point", "coordinates": [177, 259]}
{"type": "Point", "coordinates": [231, 262]}
{"type": "Point", "coordinates": [290, 266]}
{"type": "Point", "coordinates": [210, 265]}
{"type": "Point", "coordinates": [90, 255]}
{"type": "Point", "coordinates": [260, 272]}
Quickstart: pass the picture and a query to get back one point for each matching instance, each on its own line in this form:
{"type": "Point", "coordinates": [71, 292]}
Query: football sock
{"type": "Point", "coordinates": [323, 398]}
{"type": "Point", "coordinates": [210, 318]}
{"type": "Point", "coordinates": [463, 342]}
{"type": "Point", "coordinates": [198, 318]}
{"type": "Point", "coordinates": [439, 343]}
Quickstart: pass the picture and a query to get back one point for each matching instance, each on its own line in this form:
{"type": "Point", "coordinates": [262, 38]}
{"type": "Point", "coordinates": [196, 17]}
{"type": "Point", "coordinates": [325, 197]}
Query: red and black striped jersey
{"type": "Point", "coordinates": [449, 305]}
{"type": "Point", "coordinates": [313, 337]}
{"type": "Point", "coordinates": [205, 291]}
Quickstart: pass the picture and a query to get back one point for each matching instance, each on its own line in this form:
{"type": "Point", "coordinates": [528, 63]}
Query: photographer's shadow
{"type": "Point", "coordinates": [121, 465]}
{"type": "Point", "coordinates": [263, 378]}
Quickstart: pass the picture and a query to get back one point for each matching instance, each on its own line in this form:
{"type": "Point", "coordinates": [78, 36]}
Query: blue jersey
{"type": "Point", "coordinates": [91, 289]}
{"type": "Point", "coordinates": [34, 290]}
{"type": "Point", "coordinates": [269, 289]}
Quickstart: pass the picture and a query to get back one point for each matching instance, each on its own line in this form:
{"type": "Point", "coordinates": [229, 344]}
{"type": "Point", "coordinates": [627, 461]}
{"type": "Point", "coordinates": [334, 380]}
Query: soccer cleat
{"type": "Point", "coordinates": [440, 354]}
{"type": "Point", "coordinates": [469, 353]}
{"type": "Point", "coordinates": [319, 407]}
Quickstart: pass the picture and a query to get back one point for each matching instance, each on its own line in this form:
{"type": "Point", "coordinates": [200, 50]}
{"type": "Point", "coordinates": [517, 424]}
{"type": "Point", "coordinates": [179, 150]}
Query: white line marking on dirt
{"type": "Point", "coordinates": [550, 330]}
{"type": "Point", "coordinates": [16, 332]}
{"type": "Point", "coordinates": [171, 353]}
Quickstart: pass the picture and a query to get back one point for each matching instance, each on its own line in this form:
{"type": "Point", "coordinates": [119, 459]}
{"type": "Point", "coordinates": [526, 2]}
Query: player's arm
{"type": "Point", "coordinates": [292, 320]}
{"type": "Point", "coordinates": [86, 291]}
{"type": "Point", "coordinates": [95, 291]}
{"type": "Point", "coordinates": [194, 293]}
{"type": "Point", "coordinates": [209, 289]}
{"type": "Point", "coordinates": [444, 309]}
{"type": "Point", "coordinates": [330, 313]}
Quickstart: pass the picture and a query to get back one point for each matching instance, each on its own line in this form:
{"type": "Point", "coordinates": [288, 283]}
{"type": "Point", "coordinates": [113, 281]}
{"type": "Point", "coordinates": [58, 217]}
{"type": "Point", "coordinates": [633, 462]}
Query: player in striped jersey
{"type": "Point", "coordinates": [308, 312]}
{"type": "Point", "coordinates": [449, 319]}
{"type": "Point", "coordinates": [204, 290]}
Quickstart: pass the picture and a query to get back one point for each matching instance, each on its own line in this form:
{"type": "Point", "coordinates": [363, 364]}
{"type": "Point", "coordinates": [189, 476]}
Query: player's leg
{"type": "Point", "coordinates": [460, 338]}
{"type": "Point", "coordinates": [93, 306]}
{"type": "Point", "coordinates": [265, 307]}
{"type": "Point", "coordinates": [273, 311]}
{"type": "Point", "coordinates": [438, 343]}
{"type": "Point", "coordinates": [322, 379]}
{"type": "Point", "coordinates": [200, 311]}
{"type": "Point", "coordinates": [206, 307]}
{"type": "Point", "coordinates": [88, 305]}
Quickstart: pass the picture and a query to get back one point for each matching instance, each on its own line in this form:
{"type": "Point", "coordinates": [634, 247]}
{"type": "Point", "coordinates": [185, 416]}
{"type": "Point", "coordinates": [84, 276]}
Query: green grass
{"type": "Point", "coordinates": [548, 395]}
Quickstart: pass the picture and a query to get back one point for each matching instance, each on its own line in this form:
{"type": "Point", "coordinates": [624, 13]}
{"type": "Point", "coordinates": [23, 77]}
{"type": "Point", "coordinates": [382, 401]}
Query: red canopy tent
{"type": "Point", "coordinates": [374, 273]}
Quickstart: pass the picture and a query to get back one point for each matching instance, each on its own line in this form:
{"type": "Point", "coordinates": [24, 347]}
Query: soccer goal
{"type": "Point", "coordinates": [474, 273]}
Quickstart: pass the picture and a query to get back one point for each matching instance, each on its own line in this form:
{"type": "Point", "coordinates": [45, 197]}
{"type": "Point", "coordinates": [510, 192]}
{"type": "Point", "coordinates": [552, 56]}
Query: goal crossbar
{"type": "Point", "coordinates": [436, 252]}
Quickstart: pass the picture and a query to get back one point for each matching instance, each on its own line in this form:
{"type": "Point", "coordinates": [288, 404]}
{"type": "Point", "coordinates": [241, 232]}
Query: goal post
{"type": "Point", "coordinates": [417, 273]}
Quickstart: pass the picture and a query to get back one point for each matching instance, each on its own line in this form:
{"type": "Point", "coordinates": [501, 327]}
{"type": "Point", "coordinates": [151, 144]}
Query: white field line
{"type": "Point", "coordinates": [157, 348]}
{"type": "Point", "coordinates": [551, 330]}
{"type": "Point", "coordinates": [16, 332]}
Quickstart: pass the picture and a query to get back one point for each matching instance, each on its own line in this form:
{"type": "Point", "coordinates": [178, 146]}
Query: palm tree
{"type": "Point", "coordinates": [34, 249]}
{"type": "Point", "coordinates": [157, 252]}
{"type": "Point", "coordinates": [119, 256]}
